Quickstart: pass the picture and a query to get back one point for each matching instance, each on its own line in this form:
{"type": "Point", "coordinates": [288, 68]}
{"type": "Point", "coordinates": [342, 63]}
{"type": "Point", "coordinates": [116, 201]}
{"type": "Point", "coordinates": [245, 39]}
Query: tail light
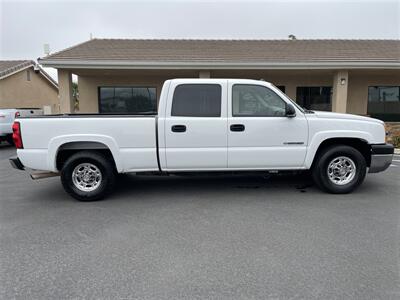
{"type": "Point", "coordinates": [17, 114]}
{"type": "Point", "coordinates": [17, 135]}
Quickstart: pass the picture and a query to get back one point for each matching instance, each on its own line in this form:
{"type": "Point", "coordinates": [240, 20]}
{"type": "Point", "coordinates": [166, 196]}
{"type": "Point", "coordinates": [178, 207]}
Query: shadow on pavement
{"type": "Point", "coordinates": [128, 184]}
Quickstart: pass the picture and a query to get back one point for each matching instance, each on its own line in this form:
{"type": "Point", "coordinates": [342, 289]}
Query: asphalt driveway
{"type": "Point", "coordinates": [236, 237]}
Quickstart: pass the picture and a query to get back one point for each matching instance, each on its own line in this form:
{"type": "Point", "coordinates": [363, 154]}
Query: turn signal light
{"type": "Point", "coordinates": [17, 135]}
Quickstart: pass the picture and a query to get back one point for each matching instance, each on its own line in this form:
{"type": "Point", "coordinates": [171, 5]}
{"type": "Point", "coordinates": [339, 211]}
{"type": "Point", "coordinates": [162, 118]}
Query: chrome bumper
{"type": "Point", "coordinates": [381, 157]}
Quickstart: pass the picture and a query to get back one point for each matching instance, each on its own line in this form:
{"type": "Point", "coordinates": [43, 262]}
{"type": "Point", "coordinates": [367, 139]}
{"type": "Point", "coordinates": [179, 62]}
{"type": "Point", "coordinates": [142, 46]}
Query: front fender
{"type": "Point", "coordinates": [57, 142]}
{"type": "Point", "coordinates": [322, 136]}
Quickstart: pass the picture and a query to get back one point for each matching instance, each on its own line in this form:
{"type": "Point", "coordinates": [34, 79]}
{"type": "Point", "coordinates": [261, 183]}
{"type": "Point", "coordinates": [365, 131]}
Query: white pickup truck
{"type": "Point", "coordinates": [7, 117]}
{"type": "Point", "coordinates": [219, 125]}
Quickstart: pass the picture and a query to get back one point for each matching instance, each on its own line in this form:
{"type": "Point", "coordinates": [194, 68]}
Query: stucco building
{"type": "Point", "coordinates": [126, 75]}
{"type": "Point", "coordinates": [23, 84]}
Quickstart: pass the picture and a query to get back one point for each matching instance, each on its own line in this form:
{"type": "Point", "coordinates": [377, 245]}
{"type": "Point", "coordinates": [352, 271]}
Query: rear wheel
{"type": "Point", "coordinates": [88, 176]}
{"type": "Point", "coordinates": [339, 169]}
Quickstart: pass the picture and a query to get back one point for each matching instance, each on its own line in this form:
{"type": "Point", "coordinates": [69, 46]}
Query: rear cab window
{"type": "Point", "coordinates": [197, 100]}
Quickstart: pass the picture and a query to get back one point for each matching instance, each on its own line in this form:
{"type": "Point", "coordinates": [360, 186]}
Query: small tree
{"type": "Point", "coordinates": [75, 95]}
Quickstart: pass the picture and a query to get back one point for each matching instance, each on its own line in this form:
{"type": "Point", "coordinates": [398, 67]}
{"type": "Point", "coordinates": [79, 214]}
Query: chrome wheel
{"type": "Point", "coordinates": [86, 177]}
{"type": "Point", "coordinates": [341, 170]}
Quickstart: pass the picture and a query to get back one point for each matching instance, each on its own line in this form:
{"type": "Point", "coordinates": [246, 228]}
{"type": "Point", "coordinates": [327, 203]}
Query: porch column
{"type": "Point", "coordinates": [65, 91]}
{"type": "Point", "coordinates": [340, 84]}
{"type": "Point", "coordinates": [204, 74]}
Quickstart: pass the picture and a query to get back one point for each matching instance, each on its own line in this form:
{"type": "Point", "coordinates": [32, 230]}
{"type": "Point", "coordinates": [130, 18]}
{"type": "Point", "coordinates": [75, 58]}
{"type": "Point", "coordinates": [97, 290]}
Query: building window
{"type": "Point", "coordinates": [256, 101]}
{"type": "Point", "coordinates": [384, 102]}
{"type": "Point", "coordinates": [282, 88]}
{"type": "Point", "coordinates": [197, 100]}
{"type": "Point", "coordinates": [128, 100]}
{"type": "Point", "coordinates": [28, 75]}
{"type": "Point", "coordinates": [315, 97]}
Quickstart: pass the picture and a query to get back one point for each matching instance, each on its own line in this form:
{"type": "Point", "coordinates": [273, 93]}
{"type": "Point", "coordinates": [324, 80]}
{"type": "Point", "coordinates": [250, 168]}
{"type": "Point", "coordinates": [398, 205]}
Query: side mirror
{"type": "Point", "coordinates": [290, 111]}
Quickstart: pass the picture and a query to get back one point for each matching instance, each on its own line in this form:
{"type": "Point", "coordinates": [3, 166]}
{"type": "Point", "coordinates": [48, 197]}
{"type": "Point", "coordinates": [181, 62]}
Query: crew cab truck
{"type": "Point", "coordinates": [204, 125]}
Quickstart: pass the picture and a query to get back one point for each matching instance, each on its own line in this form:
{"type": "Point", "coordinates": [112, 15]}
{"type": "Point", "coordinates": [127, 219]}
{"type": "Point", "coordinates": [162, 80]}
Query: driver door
{"type": "Point", "coordinates": [260, 136]}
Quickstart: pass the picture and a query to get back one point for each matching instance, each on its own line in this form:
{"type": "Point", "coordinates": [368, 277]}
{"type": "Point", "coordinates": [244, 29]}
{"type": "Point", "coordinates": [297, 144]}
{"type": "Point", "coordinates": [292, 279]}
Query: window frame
{"type": "Point", "coordinates": [255, 116]}
{"type": "Point", "coordinates": [282, 88]}
{"type": "Point", "coordinates": [305, 104]}
{"type": "Point", "coordinates": [383, 86]}
{"type": "Point", "coordinates": [124, 86]}
{"type": "Point", "coordinates": [196, 84]}
{"type": "Point", "coordinates": [384, 116]}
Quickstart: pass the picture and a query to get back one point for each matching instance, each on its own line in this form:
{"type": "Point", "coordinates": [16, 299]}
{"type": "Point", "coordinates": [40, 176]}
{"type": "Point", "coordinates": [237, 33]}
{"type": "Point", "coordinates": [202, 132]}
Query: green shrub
{"type": "Point", "coordinates": [396, 141]}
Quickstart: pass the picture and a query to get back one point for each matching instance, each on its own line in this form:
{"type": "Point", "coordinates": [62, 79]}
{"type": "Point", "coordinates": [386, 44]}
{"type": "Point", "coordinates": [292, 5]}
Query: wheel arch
{"type": "Point", "coordinates": [63, 147]}
{"type": "Point", "coordinates": [358, 143]}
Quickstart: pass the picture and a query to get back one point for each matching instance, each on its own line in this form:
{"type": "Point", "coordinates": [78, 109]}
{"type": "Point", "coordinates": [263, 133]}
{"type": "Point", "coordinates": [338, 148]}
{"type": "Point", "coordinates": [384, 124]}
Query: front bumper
{"type": "Point", "coordinates": [16, 163]}
{"type": "Point", "coordinates": [381, 157]}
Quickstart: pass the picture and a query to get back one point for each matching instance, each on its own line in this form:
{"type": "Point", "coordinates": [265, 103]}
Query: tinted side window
{"type": "Point", "coordinates": [256, 101]}
{"type": "Point", "coordinates": [197, 100]}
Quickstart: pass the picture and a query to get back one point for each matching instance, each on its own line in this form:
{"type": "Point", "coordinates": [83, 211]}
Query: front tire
{"type": "Point", "coordinates": [88, 176]}
{"type": "Point", "coordinates": [339, 169]}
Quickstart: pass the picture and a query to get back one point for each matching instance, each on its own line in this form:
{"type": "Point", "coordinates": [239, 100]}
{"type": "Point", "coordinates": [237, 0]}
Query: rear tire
{"type": "Point", "coordinates": [88, 176]}
{"type": "Point", "coordinates": [339, 169]}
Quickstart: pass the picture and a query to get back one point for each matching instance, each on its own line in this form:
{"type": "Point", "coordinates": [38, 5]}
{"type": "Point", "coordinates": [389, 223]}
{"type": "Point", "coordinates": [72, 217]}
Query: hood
{"type": "Point", "coordinates": [333, 115]}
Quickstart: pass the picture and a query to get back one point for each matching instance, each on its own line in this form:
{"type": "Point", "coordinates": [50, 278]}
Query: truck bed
{"type": "Point", "coordinates": [91, 115]}
{"type": "Point", "coordinates": [130, 138]}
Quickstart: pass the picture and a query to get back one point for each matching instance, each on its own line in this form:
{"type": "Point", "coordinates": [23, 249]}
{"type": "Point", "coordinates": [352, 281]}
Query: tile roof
{"type": "Point", "coordinates": [238, 51]}
{"type": "Point", "coordinates": [11, 66]}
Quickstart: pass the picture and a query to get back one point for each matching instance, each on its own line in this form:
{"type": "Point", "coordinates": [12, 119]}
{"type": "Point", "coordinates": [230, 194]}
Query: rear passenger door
{"type": "Point", "coordinates": [196, 125]}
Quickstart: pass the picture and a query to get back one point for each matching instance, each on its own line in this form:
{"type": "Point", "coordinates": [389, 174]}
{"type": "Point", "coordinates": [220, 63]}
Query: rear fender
{"type": "Point", "coordinates": [57, 142]}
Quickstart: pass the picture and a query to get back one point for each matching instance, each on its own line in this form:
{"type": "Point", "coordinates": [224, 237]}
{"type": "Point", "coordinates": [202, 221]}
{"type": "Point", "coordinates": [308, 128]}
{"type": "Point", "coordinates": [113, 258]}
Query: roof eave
{"type": "Point", "coordinates": [16, 71]}
{"type": "Point", "coordinates": [32, 65]}
{"type": "Point", "coordinates": [120, 64]}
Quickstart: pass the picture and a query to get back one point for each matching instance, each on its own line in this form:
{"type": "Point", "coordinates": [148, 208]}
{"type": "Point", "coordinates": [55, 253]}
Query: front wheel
{"type": "Point", "coordinates": [88, 176]}
{"type": "Point", "coordinates": [339, 169]}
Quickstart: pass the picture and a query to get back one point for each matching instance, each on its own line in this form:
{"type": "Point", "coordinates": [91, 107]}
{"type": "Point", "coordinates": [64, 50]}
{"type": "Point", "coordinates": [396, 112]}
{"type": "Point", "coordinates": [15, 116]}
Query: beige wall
{"type": "Point", "coordinates": [89, 82]}
{"type": "Point", "coordinates": [357, 82]}
{"type": "Point", "coordinates": [17, 92]}
{"type": "Point", "coordinates": [357, 98]}
{"type": "Point", "coordinates": [339, 91]}
{"type": "Point", "coordinates": [291, 79]}
{"type": "Point", "coordinates": [88, 88]}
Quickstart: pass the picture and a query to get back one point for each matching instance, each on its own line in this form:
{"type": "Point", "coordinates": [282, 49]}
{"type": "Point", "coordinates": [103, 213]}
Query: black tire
{"type": "Point", "coordinates": [328, 155]}
{"type": "Point", "coordinates": [104, 186]}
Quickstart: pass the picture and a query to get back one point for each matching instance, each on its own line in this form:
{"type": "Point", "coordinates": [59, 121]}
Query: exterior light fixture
{"type": "Point", "coordinates": [342, 81]}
